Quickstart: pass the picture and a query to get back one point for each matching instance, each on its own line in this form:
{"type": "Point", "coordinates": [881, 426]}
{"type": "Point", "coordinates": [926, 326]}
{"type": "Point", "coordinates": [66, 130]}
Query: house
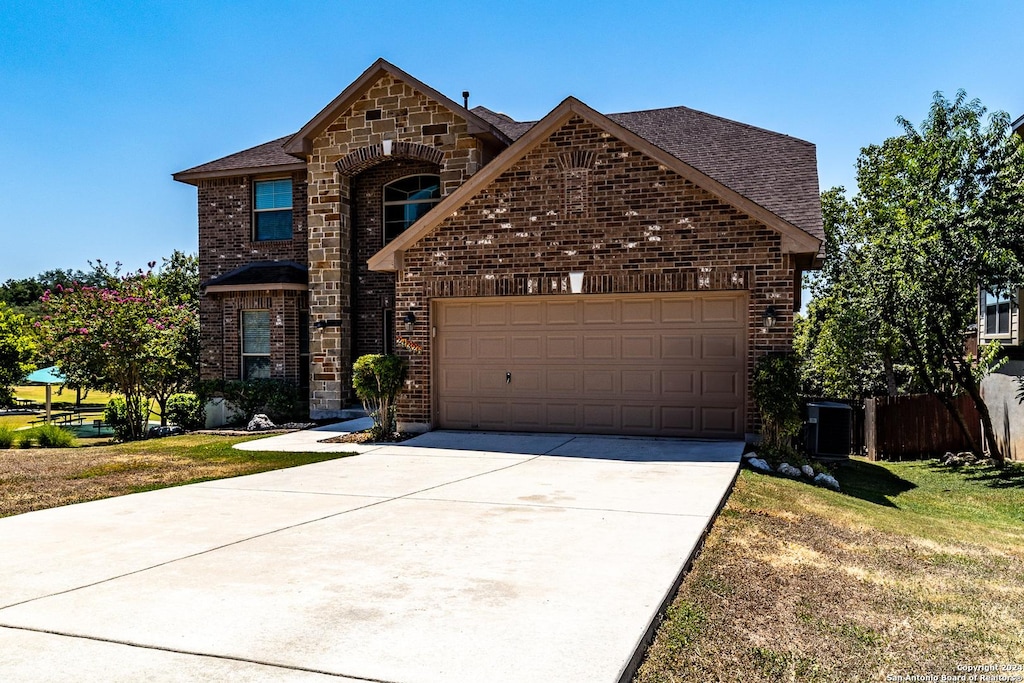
{"type": "Point", "coordinates": [999, 320]}
{"type": "Point", "coordinates": [585, 272]}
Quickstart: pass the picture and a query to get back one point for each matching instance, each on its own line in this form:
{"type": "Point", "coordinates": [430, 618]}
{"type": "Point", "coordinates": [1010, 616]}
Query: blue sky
{"type": "Point", "coordinates": [102, 101]}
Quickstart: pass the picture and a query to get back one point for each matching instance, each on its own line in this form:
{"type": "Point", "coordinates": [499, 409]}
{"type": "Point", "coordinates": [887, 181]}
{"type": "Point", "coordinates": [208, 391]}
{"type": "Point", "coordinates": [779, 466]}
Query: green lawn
{"type": "Point", "coordinates": [33, 479]}
{"type": "Point", "coordinates": [914, 569]}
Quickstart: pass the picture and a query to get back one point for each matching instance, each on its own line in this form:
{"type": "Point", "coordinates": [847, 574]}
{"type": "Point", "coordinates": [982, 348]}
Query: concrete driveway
{"type": "Point", "coordinates": [451, 557]}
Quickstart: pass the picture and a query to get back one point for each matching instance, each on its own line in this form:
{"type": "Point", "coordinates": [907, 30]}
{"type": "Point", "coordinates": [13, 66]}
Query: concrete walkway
{"type": "Point", "coordinates": [450, 557]}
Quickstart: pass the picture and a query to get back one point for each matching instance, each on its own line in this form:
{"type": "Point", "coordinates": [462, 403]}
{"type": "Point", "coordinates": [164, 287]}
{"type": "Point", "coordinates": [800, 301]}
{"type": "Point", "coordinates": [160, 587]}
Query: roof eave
{"type": "Point", "coordinates": [795, 240]}
{"type": "Point", "coordinates": [301, 144]}
{"type": "Point", "coordinates": [263, 287]}
{"type": "Point", "coordinates": [193, 177]}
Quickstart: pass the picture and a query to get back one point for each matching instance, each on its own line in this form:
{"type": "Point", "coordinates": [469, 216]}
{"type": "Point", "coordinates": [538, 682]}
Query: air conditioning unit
{"type": "Point", "coordinates": [829, 429]}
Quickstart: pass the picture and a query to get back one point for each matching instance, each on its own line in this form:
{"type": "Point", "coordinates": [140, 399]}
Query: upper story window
{"type": "Point", "coordinates": [997, 313]}
{"type": "Point", "coordinates": [406, 199]}
{"type": "Point", "coordinates": [272, 215]}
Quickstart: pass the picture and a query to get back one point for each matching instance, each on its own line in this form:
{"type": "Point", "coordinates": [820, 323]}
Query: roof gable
{"type": "Point", "coordinates": [300, 144]}
{"type": "Point", "coordinates": [795, 239]}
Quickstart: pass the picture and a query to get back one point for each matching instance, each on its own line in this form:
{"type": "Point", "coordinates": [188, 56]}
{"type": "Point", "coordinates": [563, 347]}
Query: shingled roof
{"type": "Point", "coordinates": [777, 171]}
{"type": "Point", "coordinates": [262, 158]}
{"type": "Point", "coordinates": [261, 275]}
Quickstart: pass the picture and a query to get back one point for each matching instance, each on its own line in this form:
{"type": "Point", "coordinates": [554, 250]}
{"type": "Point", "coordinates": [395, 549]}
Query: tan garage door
{"type": "Point", "coordinates": [666, 364]}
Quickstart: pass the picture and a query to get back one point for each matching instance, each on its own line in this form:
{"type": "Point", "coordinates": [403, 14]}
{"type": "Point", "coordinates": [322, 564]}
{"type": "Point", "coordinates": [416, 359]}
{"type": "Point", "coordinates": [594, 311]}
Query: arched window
{"type": "Point", "coordinates": [406, 199]}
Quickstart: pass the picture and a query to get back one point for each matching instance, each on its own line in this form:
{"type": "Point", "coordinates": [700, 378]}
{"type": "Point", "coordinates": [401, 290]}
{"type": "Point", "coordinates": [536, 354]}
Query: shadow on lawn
{"type": "Point", "coordinates": [870, 482]}
{"type": "Point", "coordinates": [1010, 477]}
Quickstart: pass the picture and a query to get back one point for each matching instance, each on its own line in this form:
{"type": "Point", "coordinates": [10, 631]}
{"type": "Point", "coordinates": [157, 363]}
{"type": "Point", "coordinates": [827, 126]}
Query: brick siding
{"type": "Point", "coordinates": [645, 229]}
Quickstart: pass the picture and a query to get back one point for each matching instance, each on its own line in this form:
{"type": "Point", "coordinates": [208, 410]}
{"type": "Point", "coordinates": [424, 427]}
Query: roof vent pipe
{"type": "Point", "coordinates": [465, 99]}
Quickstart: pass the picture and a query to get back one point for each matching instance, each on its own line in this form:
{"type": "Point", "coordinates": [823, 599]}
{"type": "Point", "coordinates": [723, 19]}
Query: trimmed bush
{"type": "Point", "coordinates": [186, 411]}
{"type": "Point", "coordinates": [378, 379]}
{"type": "Point", "coordinates": [26, 439]}
{"type": "Point", "coordinates": [116, 415]}
{"type": "Point", "coordinates": [52, 436]}
{"type": "Point", "coordinates": [6, 437]}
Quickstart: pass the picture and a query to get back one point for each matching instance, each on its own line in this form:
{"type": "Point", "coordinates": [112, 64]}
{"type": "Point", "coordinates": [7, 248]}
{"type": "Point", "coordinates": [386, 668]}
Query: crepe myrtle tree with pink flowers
{"type": "Point", "coordinates": [131, 337]}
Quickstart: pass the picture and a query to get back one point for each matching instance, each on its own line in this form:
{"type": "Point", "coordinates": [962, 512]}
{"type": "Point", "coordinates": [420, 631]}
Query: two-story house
{"type": "Point", "coordinates": [999, 321]}
{"type": "Point", "coordinates": [586, 272]}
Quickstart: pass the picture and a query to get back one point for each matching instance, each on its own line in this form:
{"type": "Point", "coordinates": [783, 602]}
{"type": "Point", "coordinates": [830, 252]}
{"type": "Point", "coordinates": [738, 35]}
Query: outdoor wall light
{"type": "Point", "coordinates": [320, 325]}
{"type": "Point", "coordinates": [386, 145]}
{"type": "Point", "coordinates": [410, 320]}
{"type": "Point", "coordinates": [576, 282]}
{"type": "Point", "coordinates": [770, 317]}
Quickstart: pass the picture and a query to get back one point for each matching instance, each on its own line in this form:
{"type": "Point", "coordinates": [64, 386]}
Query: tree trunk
{"type": "Point", "coordinates": [890, 373]}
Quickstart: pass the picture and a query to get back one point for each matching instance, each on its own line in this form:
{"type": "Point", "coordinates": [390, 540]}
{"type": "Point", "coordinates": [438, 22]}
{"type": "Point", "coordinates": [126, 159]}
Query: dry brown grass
{"type": "Point", "coordinates": [800, 584]}
{"type": "Point", "coordinates": [38, 478]}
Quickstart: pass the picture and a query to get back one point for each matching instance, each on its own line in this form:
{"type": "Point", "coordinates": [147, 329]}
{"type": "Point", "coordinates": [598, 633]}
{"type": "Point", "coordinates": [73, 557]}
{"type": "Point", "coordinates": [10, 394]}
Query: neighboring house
{"type": "Point", "coordinates": [999, 319]}
{"type": "Point", "coordinates": [585, 273]}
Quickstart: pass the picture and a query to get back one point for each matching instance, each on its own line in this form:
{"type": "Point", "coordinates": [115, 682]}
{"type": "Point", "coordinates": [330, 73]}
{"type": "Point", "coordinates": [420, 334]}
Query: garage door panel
{"type": "Point", "coordinates": [600, 347]}
{"type": "Point", "coordinates": [527, 348]}
{"type": "Point", "coordinates": [720, 346]}
{"type": "Point", "coordinates": [561, 347]}
{"type": "Point", "coordinates": [719, 420]}
{"type": "Point", "coordinates": [530, 313]}
{"type": "Point", "coordinates": [491, 347]}
{"type": "Point", "coordinates": [678, 310]}
{"type": "Point", "coordinates": [495, 314]}
{"type": "Point", "coordinates": [561, 313]}
{"type": "Point", "coordinates": [639, 312]}
{"type": "Point", "coordinates": [560, 381]}
{"type": "Point", "coordinates": [639, 418]}
{"type": "Point", "coordinates": [600, 417]}
{"type": "Point", "coordinates": [678, 382]}
{"type": "Point", "coordinates": [678, 346]}
{"type": "Point", "coordinates": [720, 382]}
{"type": "Point", "coordinates": [644, 382]}
{"type": "Point", "coordinates": [721, 310]}
{"type": "Point", "coordinates": [599, 381]}
{"type": "Point", "coordinates": [600, 312]}
{"type": "Point", "coordinates": [666, 364]}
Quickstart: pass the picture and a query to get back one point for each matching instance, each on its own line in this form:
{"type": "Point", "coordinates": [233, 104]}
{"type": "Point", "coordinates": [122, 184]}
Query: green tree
{"type": "Point", "coordinates": [17, 350]}
{"type": "Point", "coordinates": [124, 337]}
{"type": "Point", "coordinates": [177, 284]}
{"type": "Point", "coordinates": [932, 220]}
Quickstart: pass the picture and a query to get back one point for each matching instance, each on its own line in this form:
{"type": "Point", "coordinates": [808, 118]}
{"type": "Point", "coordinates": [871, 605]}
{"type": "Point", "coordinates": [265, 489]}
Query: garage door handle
{"type": "Point", "coordinates": [508, 378]}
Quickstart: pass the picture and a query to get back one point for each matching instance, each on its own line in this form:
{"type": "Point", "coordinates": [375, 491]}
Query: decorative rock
{"type": "Point", "coordinates": [759, 464]}
{"type": "Point", "coordinates": [808, 471]}
{"type": "Point", "coordinates": [788, 470]}
{"type": "Point", "coordinates": [827, 480]}
{"type": "Point", "coordinates": [750, 455]}
{"type": "Point", "coordinates": [259, 423]}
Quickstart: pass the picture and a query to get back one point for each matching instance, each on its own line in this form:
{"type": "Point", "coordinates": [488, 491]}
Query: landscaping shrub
{"type": "Point", "coordinates": [116, 415]}
{"type": "Point", "coordinates": [6, 437]}
{"type": "Point", "coordinates": [277, 399]}
{"type": "Point", "coordinates": [775, 387]}
{"type": "Point", "coordinates": [378, 379]}
{"type": "Point", "coordinates": [52, 436]}
{"type": "Point", "coordinates": [186, 411]}
{"type": "Point", "coordinates": [26, 440]}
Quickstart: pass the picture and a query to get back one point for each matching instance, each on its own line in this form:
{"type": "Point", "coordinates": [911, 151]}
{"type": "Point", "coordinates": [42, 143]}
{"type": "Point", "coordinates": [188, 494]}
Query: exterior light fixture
{"type": "Point", "coordinates": [576, 282]}
{"type": "Point", "coordinates": [386, 146]}
{"type": "Point", "coordinates": [320, 325]}
{"type": "Point", "coordinates": [771, 316]}
{"type": "Point", "coordinates": [410, 320]}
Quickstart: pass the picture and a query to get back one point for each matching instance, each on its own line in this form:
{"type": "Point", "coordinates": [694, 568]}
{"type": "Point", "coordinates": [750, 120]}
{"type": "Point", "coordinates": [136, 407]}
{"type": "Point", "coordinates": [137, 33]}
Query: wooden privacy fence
{"type": "Point", "coordinates": [905, 427]}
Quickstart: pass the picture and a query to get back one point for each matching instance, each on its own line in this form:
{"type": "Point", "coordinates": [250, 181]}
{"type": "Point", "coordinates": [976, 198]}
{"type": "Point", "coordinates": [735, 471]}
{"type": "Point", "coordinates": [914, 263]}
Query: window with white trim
{"type": "Point", "coordinates": [272, 212]}
{"type": "Point", "coordinates": [406, 200]}
{"type": "Point", "coordinates": [255, 344]}
{"type": "Point", "coordinates": [997, 313]}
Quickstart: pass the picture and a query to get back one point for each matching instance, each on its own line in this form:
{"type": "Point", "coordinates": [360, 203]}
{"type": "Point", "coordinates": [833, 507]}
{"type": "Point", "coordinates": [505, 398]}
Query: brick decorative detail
{"type": "Point", "coordinates": [404, 112]}
{"type": "Point", "coordinates": [368, 157]}
{"type": "Point", "coordinates": [647, 230]}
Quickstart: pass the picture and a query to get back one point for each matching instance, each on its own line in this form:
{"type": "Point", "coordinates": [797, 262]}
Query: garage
{"type": "Point", "coordinates": [644, 364]}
